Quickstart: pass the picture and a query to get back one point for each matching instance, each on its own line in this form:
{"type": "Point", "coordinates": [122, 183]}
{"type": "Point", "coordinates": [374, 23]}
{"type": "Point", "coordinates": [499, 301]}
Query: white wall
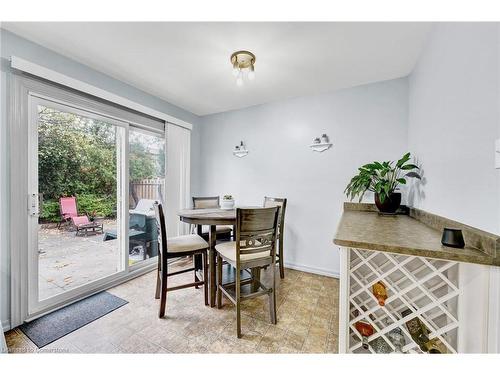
{"type": "Point", "coordinates": [453, 123]}
{"type": "Point", "coordinates": [364, 123]}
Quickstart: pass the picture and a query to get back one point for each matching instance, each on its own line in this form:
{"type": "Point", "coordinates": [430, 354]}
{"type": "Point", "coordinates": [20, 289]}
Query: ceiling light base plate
{"type": "Point", "coordinates": [243, 59]}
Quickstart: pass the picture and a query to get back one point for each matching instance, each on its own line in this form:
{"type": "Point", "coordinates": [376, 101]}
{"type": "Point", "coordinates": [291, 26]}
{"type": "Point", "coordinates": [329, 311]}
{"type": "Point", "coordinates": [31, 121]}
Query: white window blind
{"type": "Point", "coordinates": [178, 177]}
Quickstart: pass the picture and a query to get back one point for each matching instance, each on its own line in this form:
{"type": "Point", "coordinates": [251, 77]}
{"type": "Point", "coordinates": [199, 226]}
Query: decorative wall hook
{"type": "Point", "coordinates": [240, 150]}
{"type": "Point", "coordinates": [321, 144]}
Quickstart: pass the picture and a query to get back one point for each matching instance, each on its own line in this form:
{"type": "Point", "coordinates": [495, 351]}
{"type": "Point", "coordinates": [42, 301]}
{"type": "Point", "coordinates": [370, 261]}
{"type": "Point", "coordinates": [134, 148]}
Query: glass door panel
{"type": "Point", "coordinates": [146, 185]}
{"type": "Point", "coordinates": [79, 233]}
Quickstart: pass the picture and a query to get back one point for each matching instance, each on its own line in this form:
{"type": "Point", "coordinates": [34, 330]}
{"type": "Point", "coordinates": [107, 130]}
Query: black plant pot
{"type": "Point", "coordinates": [390, 205]}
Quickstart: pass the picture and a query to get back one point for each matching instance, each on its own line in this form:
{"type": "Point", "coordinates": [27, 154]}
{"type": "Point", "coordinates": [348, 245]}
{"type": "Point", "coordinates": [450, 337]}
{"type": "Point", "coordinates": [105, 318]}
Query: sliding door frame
{"type": "Point", "coordinates": [24, 90]}
{"type": "Point", "coordinates": [35, 305]}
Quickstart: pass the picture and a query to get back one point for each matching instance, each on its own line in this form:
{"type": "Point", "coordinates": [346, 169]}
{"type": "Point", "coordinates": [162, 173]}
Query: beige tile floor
{"type": "Point", "coordinates": [307, 322]}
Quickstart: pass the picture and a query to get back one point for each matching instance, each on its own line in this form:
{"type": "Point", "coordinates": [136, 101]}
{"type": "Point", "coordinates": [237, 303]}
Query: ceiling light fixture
{"type": "Point", "coordinates": [243, 64]}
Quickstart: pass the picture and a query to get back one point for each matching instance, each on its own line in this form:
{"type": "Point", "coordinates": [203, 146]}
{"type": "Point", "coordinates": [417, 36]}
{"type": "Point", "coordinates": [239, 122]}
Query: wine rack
{"type": "Point", "coordinates": [427, 287]}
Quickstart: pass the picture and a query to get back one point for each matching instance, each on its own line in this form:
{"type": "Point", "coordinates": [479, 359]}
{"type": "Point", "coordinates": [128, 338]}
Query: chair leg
{"type": "Point", "coordinates": [238, 303]}
{"type": "Point", "coordinates": [272, 297]}
{"type": "Point", "coordinates": [219, 281]}
{"type": "Point", "coordinates": [195, 275]}
{"type": "Point", "coordinates": [205, 276]}
{"type": "Point", "coordinates": [281, 261]}
{"type": "Point", "coordinates": [158, 279]}
{"type": "Point", "coordinates": [163, 296]}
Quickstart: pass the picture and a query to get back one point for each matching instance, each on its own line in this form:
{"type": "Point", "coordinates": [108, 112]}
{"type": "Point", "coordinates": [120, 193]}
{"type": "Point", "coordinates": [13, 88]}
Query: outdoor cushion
{"type": "Point", "coordinates": [80, 220]}
{"type": "Point", "coordinates": [228, 251]}
{"type": "Point", "coordinates": [188, 242]}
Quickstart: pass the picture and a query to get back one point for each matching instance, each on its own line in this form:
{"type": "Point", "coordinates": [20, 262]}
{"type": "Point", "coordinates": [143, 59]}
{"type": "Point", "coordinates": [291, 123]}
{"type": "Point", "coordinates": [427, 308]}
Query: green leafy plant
{"type": "Point", "coordinates": [382, 178]}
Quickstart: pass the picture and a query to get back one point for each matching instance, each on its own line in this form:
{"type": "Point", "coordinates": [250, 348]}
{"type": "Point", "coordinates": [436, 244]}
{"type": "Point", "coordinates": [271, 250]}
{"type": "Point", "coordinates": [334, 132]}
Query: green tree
{"type": "Point", "coordinates": [77, 157]}
{"type": "Point", "coordinates": [141, 163]}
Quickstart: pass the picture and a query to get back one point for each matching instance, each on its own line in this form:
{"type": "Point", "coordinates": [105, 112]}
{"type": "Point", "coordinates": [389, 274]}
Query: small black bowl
{"type": "Point", "coordinates": [453, 238]}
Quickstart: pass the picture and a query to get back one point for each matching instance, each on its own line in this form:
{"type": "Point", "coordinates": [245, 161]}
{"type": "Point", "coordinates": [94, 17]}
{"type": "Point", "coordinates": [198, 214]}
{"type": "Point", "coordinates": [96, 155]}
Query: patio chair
{"type": "Point", "coordinates": [81, 223]}
{"type": "Point", "coordinates": [68, 210]}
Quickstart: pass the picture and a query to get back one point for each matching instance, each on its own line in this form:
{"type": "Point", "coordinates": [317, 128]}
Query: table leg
{"type": "Point", "coordinates": [198, 261]}
{"type": "Point", "coordinates": [255, 276]}
{"type": "Point", "coordinates": [213, 282]}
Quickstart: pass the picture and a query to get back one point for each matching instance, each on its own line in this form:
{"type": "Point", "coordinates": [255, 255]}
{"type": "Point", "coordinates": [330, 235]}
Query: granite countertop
{"type": "Point", "coordinates": [415, 232]}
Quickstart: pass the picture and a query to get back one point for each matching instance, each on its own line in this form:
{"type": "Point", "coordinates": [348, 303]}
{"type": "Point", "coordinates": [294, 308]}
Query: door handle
{"type": "Point", "coordinates": [33, 204]}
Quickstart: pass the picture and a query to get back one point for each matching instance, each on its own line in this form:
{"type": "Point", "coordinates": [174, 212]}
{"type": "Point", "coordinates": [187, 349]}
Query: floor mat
{"type": "Point", "coordinates": [53, 326]}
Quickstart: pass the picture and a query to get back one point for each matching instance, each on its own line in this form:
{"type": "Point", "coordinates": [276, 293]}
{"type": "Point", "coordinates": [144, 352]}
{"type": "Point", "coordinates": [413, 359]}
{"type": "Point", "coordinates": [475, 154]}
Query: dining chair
{"type": "Point", "coordinates": [281, 203]}
{"type": "Point", "coordinates": [254, 247]}
{"type": "Point", "coordinates": [175, 247]}
{"type": "Point", "coordinates": [222, 231]}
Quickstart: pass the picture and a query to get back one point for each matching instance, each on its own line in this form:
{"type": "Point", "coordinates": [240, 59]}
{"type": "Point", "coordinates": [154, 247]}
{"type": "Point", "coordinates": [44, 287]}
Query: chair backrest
{"type": "Point", "coordinates": [161, 227]}
{"type": "Point", "coordinates": [206, 202]}
{"type": "Point", "coordinates": [256, 230]}
{"type": "Point", "coordinates": [281, 203]}
{"type": "Point", "coordinates": [67, 205]}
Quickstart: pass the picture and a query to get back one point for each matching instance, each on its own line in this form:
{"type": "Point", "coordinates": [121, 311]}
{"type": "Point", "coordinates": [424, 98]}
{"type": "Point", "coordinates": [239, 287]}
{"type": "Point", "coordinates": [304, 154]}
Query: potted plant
{"type": "Point", "coordinates": [92, 215]}
{"type": "Point", "coordinates": [383, 179]}
{"type": "Point", "coordinates": [227, 202]}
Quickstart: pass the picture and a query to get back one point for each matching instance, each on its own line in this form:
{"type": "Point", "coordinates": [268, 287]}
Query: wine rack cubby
{"type": "Point", "coordinates": [425, 288]}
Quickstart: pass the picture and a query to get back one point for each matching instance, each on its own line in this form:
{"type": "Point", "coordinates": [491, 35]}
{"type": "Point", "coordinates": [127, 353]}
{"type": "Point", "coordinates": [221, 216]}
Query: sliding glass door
{"type": "Point", "coordinates": [78, 206]}
{"type": "Point", "coordinates": [146, 185]}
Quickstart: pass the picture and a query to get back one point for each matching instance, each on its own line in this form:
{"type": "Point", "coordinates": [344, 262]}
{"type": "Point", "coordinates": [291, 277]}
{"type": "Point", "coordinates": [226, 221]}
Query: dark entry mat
{"type": "Point", "coordinates": [53, 326]}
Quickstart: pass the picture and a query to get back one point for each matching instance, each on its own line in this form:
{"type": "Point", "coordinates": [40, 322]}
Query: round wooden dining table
{"type": "Point", "coordinates": [211, 217]}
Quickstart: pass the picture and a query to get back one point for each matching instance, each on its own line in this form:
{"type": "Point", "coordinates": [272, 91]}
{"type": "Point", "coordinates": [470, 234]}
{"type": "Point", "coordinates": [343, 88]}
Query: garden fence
{"type": "Point", "coordinates": [153, 188]}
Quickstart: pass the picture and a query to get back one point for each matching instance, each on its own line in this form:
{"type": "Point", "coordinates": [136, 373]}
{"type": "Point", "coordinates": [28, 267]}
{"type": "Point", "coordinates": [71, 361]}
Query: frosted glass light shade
{"type": "Point", "coordinates": [251, 75]}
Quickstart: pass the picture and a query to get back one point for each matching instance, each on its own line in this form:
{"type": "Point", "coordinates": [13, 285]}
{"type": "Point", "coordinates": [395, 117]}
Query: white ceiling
{"type": "Point", "coordinates": [187, 64]}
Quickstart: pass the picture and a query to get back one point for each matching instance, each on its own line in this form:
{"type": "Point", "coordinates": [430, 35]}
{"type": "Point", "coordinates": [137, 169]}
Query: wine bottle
{"type": "Point", "coordinates": [397, 339]}
{"type": "Point", "coordinates": [436, 346]}
{"type": "Point", "coordinates": [418, 331]}
{"type": "Point", "coordinates": [365, 329]}
{"type": "Point", "coordinates": [380, 346]}
{"type": "Point", "coordinates": [380, 292]}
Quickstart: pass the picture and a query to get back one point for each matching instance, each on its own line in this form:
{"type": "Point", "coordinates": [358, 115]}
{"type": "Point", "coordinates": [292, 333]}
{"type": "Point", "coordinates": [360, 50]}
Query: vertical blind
{"type": "Point", "coordinates": [178, 177]}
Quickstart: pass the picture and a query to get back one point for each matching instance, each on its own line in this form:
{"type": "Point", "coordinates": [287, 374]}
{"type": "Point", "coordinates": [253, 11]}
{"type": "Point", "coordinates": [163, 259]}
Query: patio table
{"type": "Point", "coordinates": [95, 227]}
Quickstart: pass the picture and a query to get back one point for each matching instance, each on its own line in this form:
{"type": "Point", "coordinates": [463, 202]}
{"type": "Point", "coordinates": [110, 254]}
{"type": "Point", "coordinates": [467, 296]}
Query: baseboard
{"type": "Point", "coordinates": [6, 325]}
{"type": "Point", "coordinates": [315, 270]}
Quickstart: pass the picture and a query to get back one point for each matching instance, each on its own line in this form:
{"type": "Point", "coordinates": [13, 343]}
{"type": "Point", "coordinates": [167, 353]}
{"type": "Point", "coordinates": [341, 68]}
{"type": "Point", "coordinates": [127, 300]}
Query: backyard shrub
{"type": "Point", "coordinates": [50, 211]}
{"type": "Point", "coordinates": [101, 205]}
